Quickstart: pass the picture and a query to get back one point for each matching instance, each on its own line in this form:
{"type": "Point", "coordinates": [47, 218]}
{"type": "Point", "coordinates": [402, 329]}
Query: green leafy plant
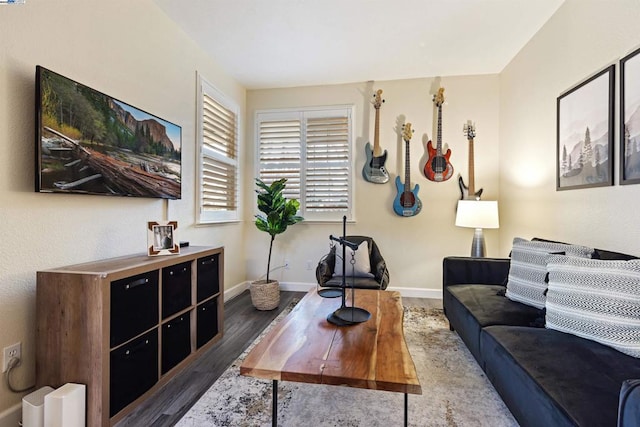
{"type": "Point", "coordinates": [278, 213]}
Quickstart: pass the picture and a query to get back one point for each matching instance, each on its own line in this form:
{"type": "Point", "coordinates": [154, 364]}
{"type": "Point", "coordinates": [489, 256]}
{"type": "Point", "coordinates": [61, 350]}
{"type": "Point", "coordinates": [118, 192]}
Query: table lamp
{"type": "Point", "coordinates": [477, 214]}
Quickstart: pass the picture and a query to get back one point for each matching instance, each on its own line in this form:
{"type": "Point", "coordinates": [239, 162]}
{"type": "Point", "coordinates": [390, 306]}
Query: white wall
{"type": "Point", "coordinates": [413, 247]}
{"type": "Point", "coordinates": [581, 38]}
{"type": "Point", "coordinates": [131, 51]}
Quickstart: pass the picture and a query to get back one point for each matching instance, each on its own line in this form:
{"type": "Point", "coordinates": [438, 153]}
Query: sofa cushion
{"type": "Point", "coordinates": [472, 307]}
{"type": "Point", "coordinates": [629, 404]}
{"type": "Point", "coordinates": [549, 378]}
{"type": "Point", "coordinates": [595, 299]}
{"type": "Point", "coordinates": [597, 253]}
{"type": "Point", "coordinates": [526, 282]}
{"type": "Point", "coordinates": [603, 254]}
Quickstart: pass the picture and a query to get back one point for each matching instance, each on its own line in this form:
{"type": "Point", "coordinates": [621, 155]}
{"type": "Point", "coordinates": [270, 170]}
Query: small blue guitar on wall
{"type": "Point", "coordinates": [407, 202]}
{"type": "Point", "coordinates": [374, 170]}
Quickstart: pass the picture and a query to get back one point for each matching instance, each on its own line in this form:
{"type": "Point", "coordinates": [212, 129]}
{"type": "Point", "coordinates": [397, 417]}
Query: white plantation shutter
{"type": "Point", "coordinates": [280, 152]}
{"type": "Point", "coordinates": [312, 149]}
{"type": "Point", "coordinates": [327, 172]}
{"type": "Point", "coordinates": [218, 136]}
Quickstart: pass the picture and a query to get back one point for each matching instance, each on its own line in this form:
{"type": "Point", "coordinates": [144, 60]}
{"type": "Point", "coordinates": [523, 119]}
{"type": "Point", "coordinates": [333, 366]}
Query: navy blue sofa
{"type": "Point", "coordinates": [545, 377]}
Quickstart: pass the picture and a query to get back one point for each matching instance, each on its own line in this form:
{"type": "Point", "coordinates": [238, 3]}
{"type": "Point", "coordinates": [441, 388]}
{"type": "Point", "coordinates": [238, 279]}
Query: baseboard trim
{"type": "Point", "coordinates": [405, 292]}
{"type": "Point", "coordinates": [12, 416]}
{"type": "Point", "coordinates": [304, 287]}
{"type": "Point", "coordinates": [234, 291]}
{"type": "Point", "coordinates": [418, 292]}
{"type": "Point", "coordinates": [296, 286]}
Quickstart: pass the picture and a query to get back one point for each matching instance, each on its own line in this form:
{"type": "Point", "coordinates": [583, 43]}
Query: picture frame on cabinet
{"type": "Point", "coordinates": [162, 238]}
{"type": "Point", "coordinates": [585, 117]}
{"type": "Point", "coordinates": [630, 118]}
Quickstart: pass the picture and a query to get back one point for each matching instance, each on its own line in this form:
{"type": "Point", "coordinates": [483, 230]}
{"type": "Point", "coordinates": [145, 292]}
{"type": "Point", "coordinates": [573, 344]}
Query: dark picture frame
{"type": "Point", "coordinates": [585, 125]}
{"type": "Point", "coordinates": [630, 118]}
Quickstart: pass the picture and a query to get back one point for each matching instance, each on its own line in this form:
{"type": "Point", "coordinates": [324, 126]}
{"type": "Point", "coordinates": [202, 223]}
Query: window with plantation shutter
{"type": "Point", "coordinates": [312, 149]}
{"type": "Point", "coordinates": [218, 144]}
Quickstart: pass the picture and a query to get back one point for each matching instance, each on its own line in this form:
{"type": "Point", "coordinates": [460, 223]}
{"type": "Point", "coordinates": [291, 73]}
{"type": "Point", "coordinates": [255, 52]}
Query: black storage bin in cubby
{"type": "Point", "coordinates": [134, 370]}
{"type": "Point", "coordinates": [208, 279]}
{"type": "Point", "coordinates": [207, 321]}
{"type": "Point", "coordinates": [176, 288]}
{"type": "Point", "coordinates": [134, 306]}
{"type": "Point", "coordinates": [176, 341]}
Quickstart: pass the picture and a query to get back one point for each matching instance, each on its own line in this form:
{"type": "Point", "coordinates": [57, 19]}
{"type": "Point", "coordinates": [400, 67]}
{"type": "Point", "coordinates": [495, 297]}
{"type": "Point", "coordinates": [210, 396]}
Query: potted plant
{"type": "Point", "coordinates": [278, 213]}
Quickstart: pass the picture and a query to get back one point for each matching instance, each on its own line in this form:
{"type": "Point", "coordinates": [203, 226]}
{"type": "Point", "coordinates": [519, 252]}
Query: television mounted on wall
{"type": "Point", "coordinates": [90, 143]}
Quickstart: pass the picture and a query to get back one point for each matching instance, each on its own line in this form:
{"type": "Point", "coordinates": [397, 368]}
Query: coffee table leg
{"type": "Point", "coordinates": [406, 410]}
{"type": "Point", "coordinates": [274, 403]}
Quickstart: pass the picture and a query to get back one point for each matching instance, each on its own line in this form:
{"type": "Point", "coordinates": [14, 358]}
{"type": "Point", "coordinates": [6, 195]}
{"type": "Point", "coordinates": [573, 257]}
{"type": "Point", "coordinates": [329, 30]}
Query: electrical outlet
{"type": "Point", "coordinates": [286, 264]}
{"type": "Point", "coordinates": [14, 350]}
{"type": "Point", "coordinates": [309, 264]}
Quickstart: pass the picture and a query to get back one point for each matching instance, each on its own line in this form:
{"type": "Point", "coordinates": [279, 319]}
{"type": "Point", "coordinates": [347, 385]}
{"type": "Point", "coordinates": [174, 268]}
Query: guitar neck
{"type": "Point", "coordinates": [407, 172]}
{"type": "Point", "coordinates": [376, 135]}
{"type": "Point", "coordinates": [472, 181]}
{"type": "Point", "coordinates": [439, 135]}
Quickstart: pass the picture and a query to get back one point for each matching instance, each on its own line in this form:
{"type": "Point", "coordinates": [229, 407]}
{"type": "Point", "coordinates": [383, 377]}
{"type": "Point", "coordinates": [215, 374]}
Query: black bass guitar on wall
{"type": "Point", "coordinates": [407, 202]}
{"type": "Point", "coordinates": [438, 168]}
{"type": "Point", "coordinates": [469, 193]}
{"type": "Point", "coordinates": [374, 170]}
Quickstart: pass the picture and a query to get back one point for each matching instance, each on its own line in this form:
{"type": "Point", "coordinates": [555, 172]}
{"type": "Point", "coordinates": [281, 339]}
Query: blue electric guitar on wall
{"type": "Point", "coordinates": [374, 170]}
{"type": "Point", "coordinates": [407, 202]}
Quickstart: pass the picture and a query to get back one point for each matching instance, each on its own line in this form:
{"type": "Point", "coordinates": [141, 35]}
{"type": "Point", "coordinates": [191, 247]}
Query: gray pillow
{"type": "Point", "coordinates": [528, 268]}
{"type": "Point", "coordinates": [597, 300]}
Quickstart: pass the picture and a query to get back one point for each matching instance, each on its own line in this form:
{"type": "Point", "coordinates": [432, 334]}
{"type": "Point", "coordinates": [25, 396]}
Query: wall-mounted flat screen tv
{"type": "Point", "coordinates": [88, 142]}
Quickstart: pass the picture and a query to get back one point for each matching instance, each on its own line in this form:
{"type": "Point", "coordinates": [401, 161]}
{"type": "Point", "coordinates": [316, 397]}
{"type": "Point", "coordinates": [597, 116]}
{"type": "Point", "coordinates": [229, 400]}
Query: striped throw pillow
{"type": "Point", "coordinates": [597, 300]}
{"type": "Point", "coordinates": [528, 268]}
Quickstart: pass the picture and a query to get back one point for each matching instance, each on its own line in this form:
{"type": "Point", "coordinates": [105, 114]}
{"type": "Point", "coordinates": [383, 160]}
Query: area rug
{"type": "Point", "coordinates": [455, 391]}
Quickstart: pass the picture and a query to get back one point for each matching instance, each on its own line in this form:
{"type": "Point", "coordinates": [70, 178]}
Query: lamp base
{"type": "Point", "coordinates": [478, 248]}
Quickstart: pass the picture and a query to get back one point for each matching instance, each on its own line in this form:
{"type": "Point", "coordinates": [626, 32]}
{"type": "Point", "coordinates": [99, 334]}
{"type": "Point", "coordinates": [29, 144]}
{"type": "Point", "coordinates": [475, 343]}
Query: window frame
{"type": "Point", "coordinates": [204, 217]}
{"type": "Point", "coordinates": [303, 114]}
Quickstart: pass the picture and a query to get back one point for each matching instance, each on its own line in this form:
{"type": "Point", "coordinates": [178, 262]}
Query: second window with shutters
{"type": "Point", "coordinates": [312, 148]}
{"type": "Point", "coordinates": [218, 156]}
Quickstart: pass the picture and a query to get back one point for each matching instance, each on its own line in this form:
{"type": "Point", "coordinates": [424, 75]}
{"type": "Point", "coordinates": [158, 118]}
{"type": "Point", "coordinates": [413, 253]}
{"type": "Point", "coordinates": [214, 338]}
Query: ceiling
{"type": "Point", "coordinates": [286, 43]}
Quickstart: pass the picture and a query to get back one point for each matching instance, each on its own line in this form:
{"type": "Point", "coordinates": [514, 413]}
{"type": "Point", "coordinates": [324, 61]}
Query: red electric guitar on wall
{"type": "Point", "coordinates": [438, 168]}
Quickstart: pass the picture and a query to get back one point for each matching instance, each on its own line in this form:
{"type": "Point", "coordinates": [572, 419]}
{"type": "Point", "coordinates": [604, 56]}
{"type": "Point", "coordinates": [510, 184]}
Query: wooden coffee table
{"type": "Point", "coordinates": [305, 347]}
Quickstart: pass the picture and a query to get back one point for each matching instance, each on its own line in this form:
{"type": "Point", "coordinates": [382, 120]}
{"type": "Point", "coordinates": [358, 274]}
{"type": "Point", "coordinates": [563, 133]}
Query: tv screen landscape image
{"type": "Point", "coordinates": [88, 142]}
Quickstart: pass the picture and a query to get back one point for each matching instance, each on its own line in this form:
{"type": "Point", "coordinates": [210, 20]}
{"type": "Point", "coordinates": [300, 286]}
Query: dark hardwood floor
{"type": "Point", "coordinates": [242, 324]}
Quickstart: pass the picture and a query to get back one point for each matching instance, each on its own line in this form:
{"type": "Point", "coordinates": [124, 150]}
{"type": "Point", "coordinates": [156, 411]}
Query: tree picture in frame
{"type": "Point", "coordinates": [162, 238]}
{"type": "Point", "coordinates": [630, 118]}
{"type": "Point", "coordinates": [584, 156]}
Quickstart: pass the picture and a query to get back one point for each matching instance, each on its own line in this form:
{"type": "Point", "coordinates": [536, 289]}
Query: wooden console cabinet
{"type": "Point", "coordinates": [124, 326]}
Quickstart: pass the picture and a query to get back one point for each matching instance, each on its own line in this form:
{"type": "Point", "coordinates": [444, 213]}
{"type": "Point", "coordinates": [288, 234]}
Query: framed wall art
{"type": "Point", "coordinates": [630, 118]}
{"type": "Point", "coordinates": [162, 238]}
{"type": "Point", "coordinates": [584, 156]}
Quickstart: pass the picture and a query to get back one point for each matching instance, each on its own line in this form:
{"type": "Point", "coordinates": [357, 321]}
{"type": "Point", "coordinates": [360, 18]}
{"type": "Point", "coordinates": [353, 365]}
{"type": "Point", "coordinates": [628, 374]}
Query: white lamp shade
{"type": "Point", "coordinates": [477, 214]}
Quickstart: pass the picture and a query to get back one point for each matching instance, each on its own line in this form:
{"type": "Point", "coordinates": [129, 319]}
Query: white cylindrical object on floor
{"type": "Point", "coordinates": [65, 407]}
{"type": "Point", "coordinates": [33, 407]}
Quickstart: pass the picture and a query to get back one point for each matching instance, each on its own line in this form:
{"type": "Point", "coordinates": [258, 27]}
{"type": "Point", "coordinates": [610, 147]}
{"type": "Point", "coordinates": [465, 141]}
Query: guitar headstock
{"type": "Point", "coordinates": [438, 99]}
{"type": "Point", "coordinates": [469, 130]}
{"type": "Point", "coordinates": [377, 99]}
{"type": "Point", "coordinates": [407, 132]}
